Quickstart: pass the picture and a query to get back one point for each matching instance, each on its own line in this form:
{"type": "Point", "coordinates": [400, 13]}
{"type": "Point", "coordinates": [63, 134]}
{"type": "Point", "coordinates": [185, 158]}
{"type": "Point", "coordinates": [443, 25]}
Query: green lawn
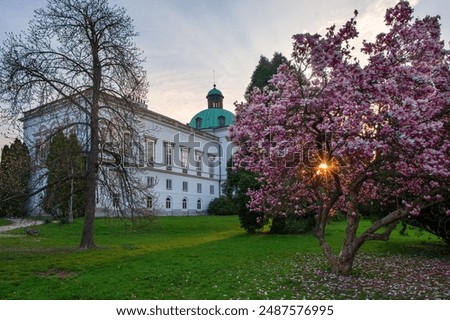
{"type": "Point", "coordinates": [212, 258]}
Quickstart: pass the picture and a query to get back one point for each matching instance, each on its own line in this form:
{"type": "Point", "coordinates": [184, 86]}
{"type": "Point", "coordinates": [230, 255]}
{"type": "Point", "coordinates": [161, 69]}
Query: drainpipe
{"type": "Point", "coordinates": [220, 169]}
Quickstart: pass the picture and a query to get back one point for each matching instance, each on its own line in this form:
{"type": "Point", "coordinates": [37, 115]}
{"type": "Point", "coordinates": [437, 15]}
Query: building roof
{"type": "Point", "coordinates": [214, 92]}
{"type": "Point", "coordinates": [138, 108]}
{"type": "Point", "coordinates": [215, 116]}
{"type": "Point", "coordinates": [212, 118]}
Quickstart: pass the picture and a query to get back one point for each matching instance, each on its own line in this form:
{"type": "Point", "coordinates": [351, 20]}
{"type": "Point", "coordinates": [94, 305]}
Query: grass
{"type": "Point", "coordinates": [211, 258]}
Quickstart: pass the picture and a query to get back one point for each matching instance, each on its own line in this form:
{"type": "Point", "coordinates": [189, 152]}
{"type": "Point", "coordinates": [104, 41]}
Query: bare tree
{"type": "Point", "coordinates": [82, 52]}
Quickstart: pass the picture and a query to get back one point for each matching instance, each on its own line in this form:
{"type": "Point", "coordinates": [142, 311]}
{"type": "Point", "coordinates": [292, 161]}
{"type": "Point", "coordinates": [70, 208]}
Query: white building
{"type": "Point", "coordinates": [182, 167]}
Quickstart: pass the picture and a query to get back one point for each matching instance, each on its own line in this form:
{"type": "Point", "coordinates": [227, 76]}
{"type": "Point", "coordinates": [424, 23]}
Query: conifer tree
{"type": "Point", "coordinates": [66, 178]}
{"type": "Point", "coordinates": [264, 71]}
{"type": "Point", "coordinates": [14, 176]}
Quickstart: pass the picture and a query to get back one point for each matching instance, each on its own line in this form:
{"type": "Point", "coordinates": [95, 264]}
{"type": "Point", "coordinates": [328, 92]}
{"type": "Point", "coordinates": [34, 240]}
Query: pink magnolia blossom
{"type": "Point", "coordinates": [331, 135]}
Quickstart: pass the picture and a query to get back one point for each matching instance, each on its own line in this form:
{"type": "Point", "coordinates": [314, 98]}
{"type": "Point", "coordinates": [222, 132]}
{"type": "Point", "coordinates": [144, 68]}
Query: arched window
{"type": "Point", "coordinates": [168, 203]}
{"type": "Point", "coordinates": [184, 204]}
{"type": "Point", "coordinates": [116, 200]}
{"type": "Point", "coordinates": [199, 205]}
{"type": "Point", "coordinates": [221, 121]}
{"type": "Point", "coordinates": [198, 122]}
{"type": "Point", "coordinates": [42, 145]}
{"type": "Point", "coordinates": [149, 202]}
{"type": "Point", "coordinates": [42, 150]}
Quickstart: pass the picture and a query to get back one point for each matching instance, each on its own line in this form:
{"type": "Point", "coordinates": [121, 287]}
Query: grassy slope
{"type": "Point", "coordinates": [175, 258]}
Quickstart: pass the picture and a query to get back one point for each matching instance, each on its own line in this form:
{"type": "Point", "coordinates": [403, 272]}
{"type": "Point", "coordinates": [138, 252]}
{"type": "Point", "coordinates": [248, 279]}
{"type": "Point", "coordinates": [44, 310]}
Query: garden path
{"type": "Point", "coordinates": [20, 223]}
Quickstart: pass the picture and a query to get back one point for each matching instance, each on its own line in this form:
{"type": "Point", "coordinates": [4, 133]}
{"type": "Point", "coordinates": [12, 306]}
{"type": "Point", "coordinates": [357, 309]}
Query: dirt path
{"type": "Point", "coordinates": [20, 223]}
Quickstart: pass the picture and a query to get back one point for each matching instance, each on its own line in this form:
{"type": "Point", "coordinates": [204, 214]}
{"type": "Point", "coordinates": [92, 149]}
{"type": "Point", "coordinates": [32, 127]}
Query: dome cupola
{"type": "Point", "coordinates": [215, 116]}
{"type": "Point", "coordinates": [215, 98]}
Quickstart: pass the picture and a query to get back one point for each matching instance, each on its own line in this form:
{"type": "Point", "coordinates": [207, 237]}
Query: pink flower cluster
{"type": "Point", "coordinates": [329, 130]}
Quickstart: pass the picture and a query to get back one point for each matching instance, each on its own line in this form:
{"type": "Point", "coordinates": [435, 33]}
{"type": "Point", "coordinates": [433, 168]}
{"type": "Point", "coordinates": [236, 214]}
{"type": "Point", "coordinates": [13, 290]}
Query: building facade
{"type": "Point", "coordinates": [180, 167]}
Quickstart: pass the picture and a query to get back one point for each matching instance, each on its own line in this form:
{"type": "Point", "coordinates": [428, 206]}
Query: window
{"type": "Point", "coordinates": [42, 149]}
{"type": "Point", "coordinates": [198, 122]}
{"type": "Point", "coordinates": [199, 205]}
{"type": "Point", "coordinates": [221, 121]}
{"type": "Point", "coordinates": [211, 189]}
{"type": "Point", "coordinates": [115, 200]}
{"type": "Point", "coordinates": [211, 165]}
{"type": "Point", "coordinates": [169, 184]}
{"type": "Point", "coordinates": [199, 188]}
{"type": "Point", "coordinates": [184, 158]}
{"type": "Point", "coordinates": [141, 150]}
{"type": "Point", "coordinates": [150, 182]}
{"type": "Point", "coordinates": [127, 144]}
{"type": "Point", "coordinates": [168, 152]}
{"type": "Point", "coordinates": [150, 152]}
{"type": "Point", "coordinates": [168, 203]}
{"type": "Point", "coordinates": [184, 204]}
{"type": "Point", "coordinates": [149, 202]}
{"type": "Point", "coordinates": [185, 186]}
{"type": "Point", "coordinates": [198, 162]}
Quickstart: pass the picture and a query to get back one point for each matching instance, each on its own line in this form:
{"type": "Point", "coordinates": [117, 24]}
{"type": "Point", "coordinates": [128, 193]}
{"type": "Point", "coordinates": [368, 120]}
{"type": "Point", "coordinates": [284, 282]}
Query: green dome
{"type": "Point", "coordinates": [212, 118]}
{"type": "Point", "coordinates": [214, 92]}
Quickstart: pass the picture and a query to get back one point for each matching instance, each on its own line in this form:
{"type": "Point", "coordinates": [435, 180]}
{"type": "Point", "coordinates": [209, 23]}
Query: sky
{"type": "Point", "coordinates": [191, 44]}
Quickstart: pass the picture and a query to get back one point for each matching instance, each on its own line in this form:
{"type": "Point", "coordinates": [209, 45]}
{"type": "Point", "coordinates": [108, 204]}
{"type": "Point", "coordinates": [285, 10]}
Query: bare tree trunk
{"type": "Point", "coordinates": [87, 238]}
{"type": "Point", "coordinates": [70, 217]}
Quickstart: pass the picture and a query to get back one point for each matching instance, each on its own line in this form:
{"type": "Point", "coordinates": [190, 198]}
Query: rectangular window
{"type": "Point", "coordinates": [185, 186]}
{"type": "Point", "coordinates": [169, 184]}
{"type": "Point", "coordinates": [211, 165]}
{"type": "Point", "coordinates": [127, 144]}
{"type": "Point", "coordinates": [199, 188]}
{"type": "Point", "coordinates": [168, 152]}
{"type": "Point", "coordinates": [150, 182]}
{"type": "Point", "coordinates": [150, 152]}
{"type": "Point", "coordinates": [184, 157]}
{"type": "Point", "coordinates": [141, 149]}
{"type": "Point", "coordinates": [198, 162]}
{"type": "Point", "coordinates": [211, 189]}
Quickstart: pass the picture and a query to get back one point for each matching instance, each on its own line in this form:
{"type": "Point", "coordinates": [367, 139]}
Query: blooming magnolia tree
{"type": "Point", "coordinates": [332, 135]}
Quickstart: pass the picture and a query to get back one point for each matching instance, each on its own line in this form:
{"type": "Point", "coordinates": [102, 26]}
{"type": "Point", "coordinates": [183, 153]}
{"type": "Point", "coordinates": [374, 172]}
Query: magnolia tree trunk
{"type": "Point", "coordinates": [343, 262]}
